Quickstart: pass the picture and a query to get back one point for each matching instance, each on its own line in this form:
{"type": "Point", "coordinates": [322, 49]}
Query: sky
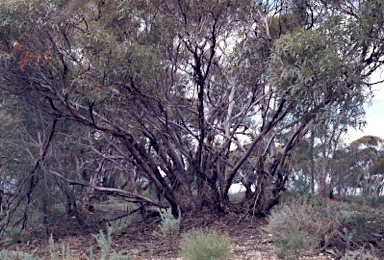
{"type": "Point", "coordinates": [374, 113]}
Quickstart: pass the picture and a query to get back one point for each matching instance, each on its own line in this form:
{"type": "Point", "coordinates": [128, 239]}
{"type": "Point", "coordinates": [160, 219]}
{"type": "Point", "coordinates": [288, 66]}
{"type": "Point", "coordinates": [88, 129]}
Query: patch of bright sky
{"type": "Point", "coordinates": [374, 112]}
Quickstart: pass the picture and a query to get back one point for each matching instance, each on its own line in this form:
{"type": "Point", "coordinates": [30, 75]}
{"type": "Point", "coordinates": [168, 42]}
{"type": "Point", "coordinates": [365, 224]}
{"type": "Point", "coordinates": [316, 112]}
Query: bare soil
{"type": "Point", "coordinates": [138, 240]}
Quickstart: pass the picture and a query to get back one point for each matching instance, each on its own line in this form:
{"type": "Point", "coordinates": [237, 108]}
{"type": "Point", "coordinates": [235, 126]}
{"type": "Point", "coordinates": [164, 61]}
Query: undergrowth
{"type": "Point", "coordinates": [105, 245]}
{"type": "Point", "coordinates": [16, 255]}
{"type": "Point", "coordinates": [204, 244]}
{"type": "Point", "coordinates": [307, 227]}
{"type": "Point", "coordinates": [169, 225]}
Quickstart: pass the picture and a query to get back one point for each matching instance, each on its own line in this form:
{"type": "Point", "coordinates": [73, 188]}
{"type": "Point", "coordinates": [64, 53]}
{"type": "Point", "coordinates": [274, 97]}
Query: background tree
{"type": "Point", "coordinates": [367, 156]}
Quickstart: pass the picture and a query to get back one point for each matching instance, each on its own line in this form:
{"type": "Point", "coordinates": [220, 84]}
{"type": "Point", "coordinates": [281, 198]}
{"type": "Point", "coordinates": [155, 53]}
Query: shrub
{"type": "Point", "coordinates": [105, 244]}
{"type": "Point", "coordinates": [204, 244]}
{"type": "Point", "coordinates": [304, 226]}
{"type": "Point", "coordinates": [170, 225]}
{"type": "Point", "coordinates": [291, 243]}
{"type": "Point", "coordinates": [363, 226]}
{"type": "Point", "coordinates": [65, 253]}
{"type": "Point", "coordinates": [301, 227]}
{"type": "Point", "coordinates": [360, 254]}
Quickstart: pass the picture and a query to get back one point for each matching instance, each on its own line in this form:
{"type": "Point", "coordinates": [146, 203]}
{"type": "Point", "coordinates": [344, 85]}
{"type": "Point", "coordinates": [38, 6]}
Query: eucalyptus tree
{"type": "Point", "coordinates": [195, 94]}
{"type": "Point", "coordinates": [26, 140]}
{"type": "Point", "coordinates": [366, 154]}
{"type": "Point", "coordinates": [35, 146]}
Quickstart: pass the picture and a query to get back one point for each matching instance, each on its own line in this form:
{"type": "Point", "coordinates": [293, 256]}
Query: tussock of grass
{"type": "Point", "coordinates": [204, 244]}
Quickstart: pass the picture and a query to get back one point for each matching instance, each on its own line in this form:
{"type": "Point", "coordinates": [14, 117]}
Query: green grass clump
{"type": "Point", "coordinates": [291, 243]}
{"type": "Point", "coordinates": [204, 244]}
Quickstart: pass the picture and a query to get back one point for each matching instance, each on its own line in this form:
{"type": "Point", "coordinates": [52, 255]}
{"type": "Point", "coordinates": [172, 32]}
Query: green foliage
{"type": "Point", "coordinates": [306, 69]}
{"type": "Point", "coordinates": [170, 225]}
{"type": "Point", "coordinates": [119, 225]}
{"type": "Point", "coordinates": [361, 254]}
{"type": "Point", "coordinates": [104, 242]}
{"type": "Point", "coordinates": [52, 248]}
{"type": "Point", "coordinates": [306, 227]}
{"type": "Point", "coordinates": [105, 245]}
{"type": "Point", "coordinates": [65, 252]}
{"type": "Point", "coordinates": [367, 140]}
{"type": "Point", "coordinates": [372, 201]}
{"type": "Point", "coordinates": [16, 255]}
{"type": "Point", "coordinates": [346, 236]}
{"type": "Point", "coordinates": [14, 235]}
{"type": "Point", "coordinates": [204, 244]}
{"type": "Point", "coordinates": [299, 227]}
{"type": "Point", "coordinates": [291, 243]}
{"type": "Point", "coordinates": [364, 227]}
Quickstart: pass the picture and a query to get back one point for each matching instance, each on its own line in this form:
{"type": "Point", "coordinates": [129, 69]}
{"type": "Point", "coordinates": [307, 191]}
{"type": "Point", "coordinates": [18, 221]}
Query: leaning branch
{"type": "Point", "coordinates": [108, 190]}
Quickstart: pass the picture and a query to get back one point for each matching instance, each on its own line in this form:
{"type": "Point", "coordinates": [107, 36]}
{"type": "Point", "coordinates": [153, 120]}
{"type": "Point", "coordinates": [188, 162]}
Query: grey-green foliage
{"type": "Point", "coordinates": [170, 225]}
{"type": "Point", "coordinates": [307, 69]}
{"type": "Point", "coordinates": [364, 227]}
{"type": "Point", "coordinates": [14, 235]}
{"type": "Point", "coordinates": [361, 254]}
{"type": "Point", "coordinates": [307, 227]}
{"type": "Point", "coordinates": [52, 248]}
{"type": "Point", "coordinates": [204, 244]}
{"type": "Point", "coordinates": [346, 236]}
{"type": "Point", "coordinates": [291, 243]}
{"type": "Point", "coordinates": [299, 227]}
{"type": "Point", "coordinates": [105, 244]}
{"type": "Point", "coordinates": [16, 255]}
{"type": "Point", "coordinates": [65, 252]}
{"type": "Point", "coordinates": [123, 223]}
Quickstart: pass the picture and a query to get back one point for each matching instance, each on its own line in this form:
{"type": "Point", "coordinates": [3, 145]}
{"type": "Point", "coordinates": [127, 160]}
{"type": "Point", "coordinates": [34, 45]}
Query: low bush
{"type": "Point", "coordinates": [307, 227]}
{"type": "Point", "coordinates": [105, 244]}
{"type": "Point", "coordinates": [299, 227]}
{"type": "Point", "coordinates": [361, 254]}
{"type": "Point", "coordinates": [292, 242]}
{"type": "Point", "coordinates": [204, 244]}
{"type": "Point", "coordinates": [364, 227]}
{"type": "Point", "coordinates": [170, 225]}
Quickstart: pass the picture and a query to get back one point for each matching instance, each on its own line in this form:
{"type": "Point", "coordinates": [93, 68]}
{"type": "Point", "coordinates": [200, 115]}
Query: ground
{"type": "Point", "coordinates": [137, 239]}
